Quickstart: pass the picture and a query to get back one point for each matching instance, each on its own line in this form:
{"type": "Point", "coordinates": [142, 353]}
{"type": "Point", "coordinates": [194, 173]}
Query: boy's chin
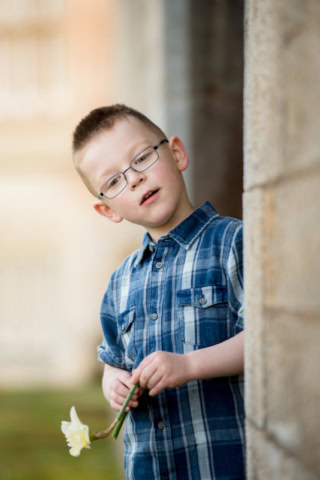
{"type": "Point", "coordinates": [162, 224]}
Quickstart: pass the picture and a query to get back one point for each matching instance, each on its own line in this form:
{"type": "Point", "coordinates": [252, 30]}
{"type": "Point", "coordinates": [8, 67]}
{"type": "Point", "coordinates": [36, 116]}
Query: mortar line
{"type": "Point", "coordinates": [285, 178]}
{"type": "Point", "coordinates": [271, 438]}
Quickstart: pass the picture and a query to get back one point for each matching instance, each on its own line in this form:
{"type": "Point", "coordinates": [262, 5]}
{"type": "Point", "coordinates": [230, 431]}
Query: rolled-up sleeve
{"type": "Point", "coordinates": [111, 349]}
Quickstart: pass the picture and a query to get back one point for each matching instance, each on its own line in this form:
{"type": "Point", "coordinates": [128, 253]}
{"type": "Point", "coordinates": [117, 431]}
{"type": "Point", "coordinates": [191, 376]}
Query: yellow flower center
{"type": "Point", "coordinates": [79, 439]}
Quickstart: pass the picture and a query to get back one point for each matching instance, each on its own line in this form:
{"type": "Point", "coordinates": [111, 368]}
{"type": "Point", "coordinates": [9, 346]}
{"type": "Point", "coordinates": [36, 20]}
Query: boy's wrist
{"type": "Point", "coordinates": [200, 364]}
{"type": "Point", "coordinates": [191, 367]}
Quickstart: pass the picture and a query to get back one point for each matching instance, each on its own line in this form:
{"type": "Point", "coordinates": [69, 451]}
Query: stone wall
{"type": "Point", "coordinates": [282, 238]}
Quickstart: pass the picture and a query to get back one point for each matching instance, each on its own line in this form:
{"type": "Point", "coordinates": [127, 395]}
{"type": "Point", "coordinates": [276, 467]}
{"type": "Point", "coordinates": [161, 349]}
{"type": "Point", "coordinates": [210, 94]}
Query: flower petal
{"type": "Point", "coordinates": [73, 415]}
{"type": "Point", "coordinates": [76, 433]}
{"type": "Point", "coordinates": [75, 452]}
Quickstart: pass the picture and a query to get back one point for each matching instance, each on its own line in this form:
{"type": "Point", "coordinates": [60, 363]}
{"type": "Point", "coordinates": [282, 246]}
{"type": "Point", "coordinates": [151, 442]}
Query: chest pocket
{"type": "Point", "coordinates": [203, 315]}
{"type": "Point", "coordinates": [126, 322]}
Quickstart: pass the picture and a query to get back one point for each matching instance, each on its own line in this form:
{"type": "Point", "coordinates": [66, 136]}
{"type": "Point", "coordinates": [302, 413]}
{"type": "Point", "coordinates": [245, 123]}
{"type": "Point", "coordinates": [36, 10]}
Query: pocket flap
{"type": "Point", "coordinates": [126, 319]}
{"type": "Point", "coordinates": [203, 297]}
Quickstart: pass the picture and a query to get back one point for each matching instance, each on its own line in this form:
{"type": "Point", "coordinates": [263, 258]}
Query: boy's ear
{"type": "Point", "coordinates": [106, 211]}
{"type": "Point", "coordinates": [179, 152]}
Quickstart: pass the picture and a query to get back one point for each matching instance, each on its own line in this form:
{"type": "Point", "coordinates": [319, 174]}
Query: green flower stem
{"type": "Point", "coordinates": [105, 433]}
{"type": "Point", "coordinates": [116, 425]}
{"type": "Point", "coordinates": [122, 414]}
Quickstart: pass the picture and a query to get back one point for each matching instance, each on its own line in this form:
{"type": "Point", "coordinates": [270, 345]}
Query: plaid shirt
{"type": "Point", "coordinates": [181, 294]}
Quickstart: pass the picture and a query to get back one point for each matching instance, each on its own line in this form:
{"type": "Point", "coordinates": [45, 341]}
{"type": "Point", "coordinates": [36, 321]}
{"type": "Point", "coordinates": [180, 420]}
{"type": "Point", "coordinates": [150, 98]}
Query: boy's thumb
{"type": "Point", "coordinates": [134, 377]}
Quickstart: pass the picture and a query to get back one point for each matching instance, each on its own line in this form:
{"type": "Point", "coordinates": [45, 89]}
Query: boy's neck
{"type": "Point", "coordinates": [157, 233]}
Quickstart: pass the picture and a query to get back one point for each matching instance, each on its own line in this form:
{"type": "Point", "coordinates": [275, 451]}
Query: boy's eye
{"type": "Point", "coordinates": [114, 181]}
{"type": "Point", "coordinates": [142, 158]}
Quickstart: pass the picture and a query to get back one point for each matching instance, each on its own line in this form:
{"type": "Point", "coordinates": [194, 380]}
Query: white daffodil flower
{"type": "Point", "coordinates": [77, 434]}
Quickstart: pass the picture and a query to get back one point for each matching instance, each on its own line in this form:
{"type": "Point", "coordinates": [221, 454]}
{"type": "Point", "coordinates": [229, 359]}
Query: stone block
{"type": "Point", "coordinates": [292, 388]}
{"type": "Point", "coordinates": [254, 320]}
{"type": "Point", "coordinates": [268, 461]}
{"type": "Point", "coordinates": [282, 94]}
{"type": "Point", "coordinates": [260, 93]}
{"type": "Point", "coordinates": [292, 245]}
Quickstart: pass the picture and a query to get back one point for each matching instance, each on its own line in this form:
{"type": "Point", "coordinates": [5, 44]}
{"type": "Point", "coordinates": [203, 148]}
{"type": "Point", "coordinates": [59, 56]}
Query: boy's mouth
{"type": "Point", "coordinates": [148, 195]}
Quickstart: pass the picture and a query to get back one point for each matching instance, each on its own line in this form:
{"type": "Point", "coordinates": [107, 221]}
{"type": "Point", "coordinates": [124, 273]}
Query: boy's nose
{"type": "Point", "coordinates": [134, 178]}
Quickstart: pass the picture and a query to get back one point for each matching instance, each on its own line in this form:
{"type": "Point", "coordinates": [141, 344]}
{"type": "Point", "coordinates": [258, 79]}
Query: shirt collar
{"type": "Point", "coordinates": [146, 243]}
{"type": "Point", "coordinates": [186, 232]}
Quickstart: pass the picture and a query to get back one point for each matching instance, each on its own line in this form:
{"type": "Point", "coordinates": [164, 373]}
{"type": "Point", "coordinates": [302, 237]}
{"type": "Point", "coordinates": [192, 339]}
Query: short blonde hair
{"type": "Point", "coordinates": [100, 119]}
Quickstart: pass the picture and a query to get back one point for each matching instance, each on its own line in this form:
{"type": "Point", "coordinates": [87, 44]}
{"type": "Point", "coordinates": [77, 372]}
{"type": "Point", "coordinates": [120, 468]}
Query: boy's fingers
{"type": "Point", "coordinates": [125, 377]}
{"type": "Point", "coordinates": [121, 390]}
{"type": "Point", "coordinates": [118, 399]}
{"type": "Point", "coordinates": [146, 375]}
{"type": "Point", "coordinates": [157, 389]}
{"type": "Point", "coordinates": [135, 396]}
{"type": "Point", "coordinates": [154, 380]}
{"type": "Point", "coordinates": [115, 406]}
{"type": "Point", "coordinates": [127, 382]}
{"type": "Point", "coordinates": [135, 377]}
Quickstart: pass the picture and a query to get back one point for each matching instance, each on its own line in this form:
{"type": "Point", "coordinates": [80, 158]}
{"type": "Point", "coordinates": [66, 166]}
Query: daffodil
{"type": "Point", "coordinates": [77, 434]}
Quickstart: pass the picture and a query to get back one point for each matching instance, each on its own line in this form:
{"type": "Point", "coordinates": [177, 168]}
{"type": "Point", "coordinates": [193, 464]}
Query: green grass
{"type": "Point", "coordinates": [32, 446]}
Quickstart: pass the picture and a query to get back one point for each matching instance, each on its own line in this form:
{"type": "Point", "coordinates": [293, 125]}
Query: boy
{"type": "Point", "coordinates": [172, 316]}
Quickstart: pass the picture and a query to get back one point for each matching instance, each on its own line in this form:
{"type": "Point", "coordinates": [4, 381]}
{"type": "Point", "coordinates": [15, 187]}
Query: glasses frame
{"type": "Point", "coordinates": [155, 148]}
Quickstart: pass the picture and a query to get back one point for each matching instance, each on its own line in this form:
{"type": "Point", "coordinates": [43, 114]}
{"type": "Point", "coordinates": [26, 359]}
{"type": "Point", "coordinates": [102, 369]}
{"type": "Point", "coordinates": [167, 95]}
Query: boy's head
{"type": "Point", "coordinates": [103, 119]}
{"type": "Point", "coordinates": [108, 148]}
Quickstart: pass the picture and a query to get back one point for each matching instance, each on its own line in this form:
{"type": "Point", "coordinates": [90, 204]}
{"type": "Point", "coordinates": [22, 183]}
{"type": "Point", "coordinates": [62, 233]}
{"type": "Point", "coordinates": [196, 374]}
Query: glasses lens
{"type": "Point", "coordinates": [114, 186]}
{"type": "Point", "coordinates": [145, 159]}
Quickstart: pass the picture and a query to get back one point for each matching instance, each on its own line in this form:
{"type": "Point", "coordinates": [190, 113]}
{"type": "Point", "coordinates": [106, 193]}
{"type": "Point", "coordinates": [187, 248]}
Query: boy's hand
{"type": "Point", "coordinates": [162, 370]}
{"type": "Point", "coordinates": [116, 385]}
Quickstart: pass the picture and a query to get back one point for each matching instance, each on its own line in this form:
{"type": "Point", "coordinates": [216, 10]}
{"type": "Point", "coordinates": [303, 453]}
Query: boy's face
{"type": "Point", "coordinates": [111, 152]}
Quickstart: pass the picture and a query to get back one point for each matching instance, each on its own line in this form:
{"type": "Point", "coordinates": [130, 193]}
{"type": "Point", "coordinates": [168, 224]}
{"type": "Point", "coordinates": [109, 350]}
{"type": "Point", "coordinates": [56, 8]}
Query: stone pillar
{"type": "Point", "coordinates": [139, 57]}
{"type": "Point", "coordinates": [282, 238]}
{"type": "Point", "coordinates": [204, 88]}
{"type": "Point", "coordinates": [217, 95]}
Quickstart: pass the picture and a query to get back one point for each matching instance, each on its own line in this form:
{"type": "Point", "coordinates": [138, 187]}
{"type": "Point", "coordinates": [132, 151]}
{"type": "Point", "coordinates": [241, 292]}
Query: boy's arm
{"type": "Point", "coordinates": [116, 384]}
{"type": "Point", "coordinates": [222, 360]}
{"type": "Point", "coordinates": [163, 369]}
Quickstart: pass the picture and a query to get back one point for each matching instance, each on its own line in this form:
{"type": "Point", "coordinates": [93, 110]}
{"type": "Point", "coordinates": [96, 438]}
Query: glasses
{"type": "Point", "coordinates": [141, 162]}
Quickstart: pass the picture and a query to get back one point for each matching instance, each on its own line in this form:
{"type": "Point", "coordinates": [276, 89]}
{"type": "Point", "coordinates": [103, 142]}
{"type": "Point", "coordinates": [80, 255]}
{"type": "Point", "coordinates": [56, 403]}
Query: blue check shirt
{"type": "Point", "coordinates": [183, 293]}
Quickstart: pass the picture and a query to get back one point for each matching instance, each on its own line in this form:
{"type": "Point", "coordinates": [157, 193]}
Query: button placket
{"type": "Point", "coordinates": [154, 340]}
{"type": "Point", "coordinates": [161, 426]}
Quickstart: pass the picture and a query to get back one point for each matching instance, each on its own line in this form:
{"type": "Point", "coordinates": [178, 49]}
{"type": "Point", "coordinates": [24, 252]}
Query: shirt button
{"type": "Point", "coordinates": [151, 248]}
{"type": "Point", "coordinates": [203, 300]}
{"type": "Point", "coordinates": [154, 316]}
{"type": "Point", "coordinates": [123, 327]}
{"type": "Point", "coordinates": [159, 265]}
{"type": "Point", "coordinates": [161, 426]}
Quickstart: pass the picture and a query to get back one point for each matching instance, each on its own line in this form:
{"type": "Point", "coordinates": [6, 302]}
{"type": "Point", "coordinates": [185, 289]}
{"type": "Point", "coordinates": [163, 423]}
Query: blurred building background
{"type": "Point", "coordinates": [181, 63]}
{"type": "Point", "coordinates": [57, 62]}
{"type": "Point", "coordinates": [176, 62]}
